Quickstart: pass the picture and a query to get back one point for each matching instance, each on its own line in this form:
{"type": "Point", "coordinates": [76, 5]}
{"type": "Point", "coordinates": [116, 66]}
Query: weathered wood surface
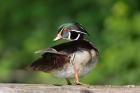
{"type": "Point", "coordinates": [42, 88]}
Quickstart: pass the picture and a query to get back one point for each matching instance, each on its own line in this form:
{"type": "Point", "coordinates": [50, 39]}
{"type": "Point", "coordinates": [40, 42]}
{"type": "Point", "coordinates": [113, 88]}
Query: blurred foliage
{"type": "Point", "coordinates": [30, 25]}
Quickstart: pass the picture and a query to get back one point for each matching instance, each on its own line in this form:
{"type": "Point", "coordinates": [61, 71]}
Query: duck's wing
{"type": "Point", "coordinates": [50, 60]}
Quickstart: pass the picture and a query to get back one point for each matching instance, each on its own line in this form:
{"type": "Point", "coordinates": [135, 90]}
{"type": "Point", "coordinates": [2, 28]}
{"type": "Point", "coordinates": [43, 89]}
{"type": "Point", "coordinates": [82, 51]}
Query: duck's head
{"type": "Point", "coordinates": [70, 31]}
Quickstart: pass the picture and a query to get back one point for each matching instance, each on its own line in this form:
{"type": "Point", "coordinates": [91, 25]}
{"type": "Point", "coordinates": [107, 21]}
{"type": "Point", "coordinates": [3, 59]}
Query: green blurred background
{"type": "Point", "coordinates": [30, 25]}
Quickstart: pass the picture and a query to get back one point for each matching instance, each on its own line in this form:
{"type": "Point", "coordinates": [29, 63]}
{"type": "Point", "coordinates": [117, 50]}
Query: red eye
{"type": "Point", "coordinates": [65, 30]}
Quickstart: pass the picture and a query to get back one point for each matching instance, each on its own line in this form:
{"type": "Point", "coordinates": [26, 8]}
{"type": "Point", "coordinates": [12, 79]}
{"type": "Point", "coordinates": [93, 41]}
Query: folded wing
{"type": "Point", "coordinates": [50, 60]}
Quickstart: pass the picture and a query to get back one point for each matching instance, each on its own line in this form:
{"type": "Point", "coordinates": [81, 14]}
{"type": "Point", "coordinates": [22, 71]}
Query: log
{"type": "Point", "coordinates": [44, 88]}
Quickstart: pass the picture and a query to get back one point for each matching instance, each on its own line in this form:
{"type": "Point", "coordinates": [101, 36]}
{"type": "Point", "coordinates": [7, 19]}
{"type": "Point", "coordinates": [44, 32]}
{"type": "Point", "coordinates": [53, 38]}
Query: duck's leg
{"type": "Point", "coordinates": [76, 77]}
{"type": "Point", "coordinates": [68, 81]}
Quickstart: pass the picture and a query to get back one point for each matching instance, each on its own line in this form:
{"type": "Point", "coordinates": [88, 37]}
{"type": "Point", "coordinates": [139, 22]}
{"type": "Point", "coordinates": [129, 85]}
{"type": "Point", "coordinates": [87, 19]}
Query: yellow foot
{"type": "Point", "coordinates": [79, 83]}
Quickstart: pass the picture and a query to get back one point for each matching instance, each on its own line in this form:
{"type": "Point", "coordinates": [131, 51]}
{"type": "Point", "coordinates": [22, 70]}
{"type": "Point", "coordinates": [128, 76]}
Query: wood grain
{"type": "Point", "coordinates": [43, 88]}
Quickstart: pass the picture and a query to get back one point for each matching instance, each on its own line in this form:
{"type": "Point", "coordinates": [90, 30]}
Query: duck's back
{"type": "Point", "coordinates": [73, 46]}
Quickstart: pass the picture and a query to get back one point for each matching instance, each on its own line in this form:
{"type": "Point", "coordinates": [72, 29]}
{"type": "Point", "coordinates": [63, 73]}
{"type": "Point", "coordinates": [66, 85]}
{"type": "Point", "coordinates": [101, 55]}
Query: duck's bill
{"type": "Point", "coordinates": [57, 38]}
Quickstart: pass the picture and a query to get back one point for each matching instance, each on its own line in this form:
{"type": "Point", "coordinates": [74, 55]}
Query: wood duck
{"type": "Point", "coordinates": [71, 59]}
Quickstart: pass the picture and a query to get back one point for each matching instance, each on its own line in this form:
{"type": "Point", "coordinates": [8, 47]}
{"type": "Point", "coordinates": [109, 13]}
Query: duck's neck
{"type": "Point", "coordinates": [81, 37]}
{"type": "Point", "coordinates": [75, 36]}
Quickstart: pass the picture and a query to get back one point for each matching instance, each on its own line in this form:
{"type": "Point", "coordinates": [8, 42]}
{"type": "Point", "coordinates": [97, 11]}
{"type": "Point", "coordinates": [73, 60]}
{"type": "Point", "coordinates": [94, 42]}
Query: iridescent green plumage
{"type": "Point", "coordinates": [73, 26]}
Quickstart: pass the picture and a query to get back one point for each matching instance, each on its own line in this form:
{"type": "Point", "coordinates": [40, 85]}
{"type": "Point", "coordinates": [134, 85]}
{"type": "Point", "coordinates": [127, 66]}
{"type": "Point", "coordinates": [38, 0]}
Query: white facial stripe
{"type": "Point", "coordinates": [69, 35]}
{"type": "Point", "coordinates": [61, 30]}
{"type": "Point", "coordinates": [79, 31]}
{"type": "Point", "coordinates": [77, 37]}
